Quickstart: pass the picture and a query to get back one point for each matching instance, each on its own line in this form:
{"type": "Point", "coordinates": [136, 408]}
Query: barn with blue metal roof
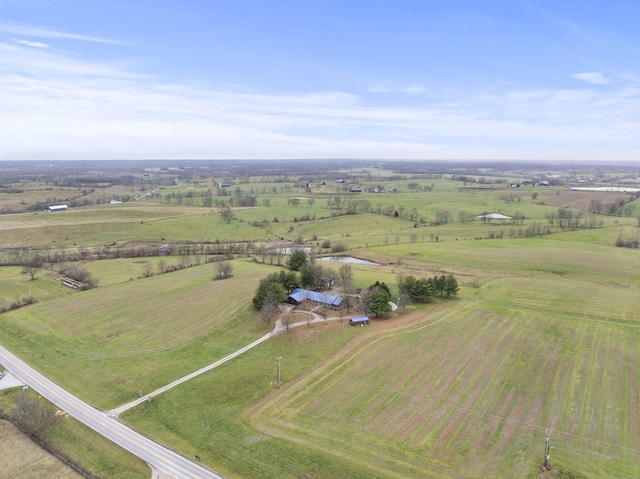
{"type": "Point", "coordinates": [299, 295]}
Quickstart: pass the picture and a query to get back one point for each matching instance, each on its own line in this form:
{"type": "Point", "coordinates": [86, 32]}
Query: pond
{"type": "Point", "coordinates": [348, 259]}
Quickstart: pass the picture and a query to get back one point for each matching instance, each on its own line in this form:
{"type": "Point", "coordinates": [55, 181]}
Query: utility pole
{"type": "Point", "coordinates": [279, 358]}
{"type": "Point", "coordinates": [546, 450]}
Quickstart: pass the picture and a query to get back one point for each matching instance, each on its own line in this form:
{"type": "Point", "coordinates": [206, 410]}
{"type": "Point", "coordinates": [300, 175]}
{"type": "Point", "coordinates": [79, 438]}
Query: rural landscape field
{"type": "Point", "coordinates": [539, 346]}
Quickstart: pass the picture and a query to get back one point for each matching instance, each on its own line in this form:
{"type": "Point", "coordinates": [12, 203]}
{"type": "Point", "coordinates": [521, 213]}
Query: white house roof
{"type": "Point", "coordinates": [495, 216]}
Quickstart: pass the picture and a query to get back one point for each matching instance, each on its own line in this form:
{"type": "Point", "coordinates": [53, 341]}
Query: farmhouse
{"type": "Point", "coordinates": [299, 295]}
{"type": "Point", "coordinates": [359, 321]}
{"type": "Point", "coordinates": [53, 208]}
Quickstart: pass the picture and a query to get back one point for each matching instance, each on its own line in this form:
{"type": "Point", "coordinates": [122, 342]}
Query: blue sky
{"type": "Point", "coordinates": [112, 79]}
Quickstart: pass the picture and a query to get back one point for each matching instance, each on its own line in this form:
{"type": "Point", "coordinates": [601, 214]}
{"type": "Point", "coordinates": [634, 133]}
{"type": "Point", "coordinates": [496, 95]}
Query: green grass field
{"type": "Point", "coordinates": [137, 335]}
{"type": "Point", "coordinates": [545, 334]}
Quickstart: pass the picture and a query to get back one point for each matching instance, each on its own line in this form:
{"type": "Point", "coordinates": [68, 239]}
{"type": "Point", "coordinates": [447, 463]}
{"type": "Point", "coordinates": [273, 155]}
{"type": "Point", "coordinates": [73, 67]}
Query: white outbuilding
{"type": "Point", "coordinates": [494, 216]}
{"type": "Point", "coordinates": [53, 208]}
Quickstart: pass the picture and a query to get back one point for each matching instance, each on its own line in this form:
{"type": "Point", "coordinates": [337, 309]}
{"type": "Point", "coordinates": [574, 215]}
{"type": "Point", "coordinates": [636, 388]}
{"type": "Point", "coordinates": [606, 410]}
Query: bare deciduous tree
{"type": "Point", "coordinates": [35, 415]}
{"type": "Point", "coordinates": [270, 307]}
{"type": "Point", "coordinates": [224, 270]}
{"type": "Point", "coordinates": [147, 270]}
{"type": "Point", "coordinates": [346, 278]}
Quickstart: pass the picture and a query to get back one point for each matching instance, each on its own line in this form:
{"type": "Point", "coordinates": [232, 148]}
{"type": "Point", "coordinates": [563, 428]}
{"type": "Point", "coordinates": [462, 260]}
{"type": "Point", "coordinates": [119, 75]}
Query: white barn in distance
{"type": "Point", "coordinates": [495, 216]}
{"type": "Point", "coordinates": [53, 208]}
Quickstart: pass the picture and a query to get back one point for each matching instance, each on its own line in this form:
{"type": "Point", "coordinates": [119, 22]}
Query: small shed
{"type": "Point", "coordinates": [359, 321]}
{"type": "Point", "coordinates": [53, 208]}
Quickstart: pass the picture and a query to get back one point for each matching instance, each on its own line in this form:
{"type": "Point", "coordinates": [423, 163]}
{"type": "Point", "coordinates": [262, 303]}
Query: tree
{"type": "Point", "coordinates": [451, 287]}
{"type": "Point", "coordinates": [346, 277]}
{"type": "Point", "coordinates": [35, 415]}
{"type": "Point", "coordinates": [264, 288]}
{"type": "Point", "coordinates": [379, 304]}
{"type": "Point", "coordinates": [224, 269]}
{"type": "Point", "coordinates": [439, 284]}
{"type": "Point", "coordinates": [297, 259]}
{"type": "Point", "coordinates": [421, 290]}
{"type": "Point", "coordinates": [147, 270]}
{"type": "Point", "coordinates": [227, 215]}
{"type": "Point", "coordinates": [308, 277]}
{"type": "Point", "coordinates": [32, 264]}
{"type": "Point", "coordinates": [270, 307]}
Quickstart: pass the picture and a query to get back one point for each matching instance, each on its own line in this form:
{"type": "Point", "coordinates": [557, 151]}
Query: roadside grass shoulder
{"type": "Point", "coordinates": [83, 446]}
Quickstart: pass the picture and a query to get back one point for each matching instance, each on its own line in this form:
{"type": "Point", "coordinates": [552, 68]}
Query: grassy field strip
{"type": "Point", "coordinates": [343, 359]}
{"type": "Point", "coordinates": [584, 299]}
{"type": "Point", "coordinates": [604, 357]}
{"type": "Point", "coordinates": [295, 404]}
{"type": "Point", "coordinates": [17, 285]}
{"type": "Point", "coordinates": [467, 434]}
{"type": "Point", "coordinates": [133, 336]}
{"type": "Point", "coordinates": [518, 381]}
{"type": "Point", "coordinates": [529, 255]}
{"type": "Point", "coordinates": [224, 393]}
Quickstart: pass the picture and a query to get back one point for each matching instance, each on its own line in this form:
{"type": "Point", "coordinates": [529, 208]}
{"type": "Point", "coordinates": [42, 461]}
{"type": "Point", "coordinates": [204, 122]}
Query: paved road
{"type": "Point", "coordinates": [153, 453]}
{"type": "Point", "coordinates": [159, 457]}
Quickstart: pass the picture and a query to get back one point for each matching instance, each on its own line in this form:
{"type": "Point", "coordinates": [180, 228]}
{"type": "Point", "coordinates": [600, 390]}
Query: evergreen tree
{"type": "Point", "coordinates": [451, 287]}
{"type": "Point", "coordinates": [265, 287]}
{"type": "Point", "coordinates": [439, 284]}
{"type": "Point", "coordinates": [421, 290]}
{"type": "Point", "coordinates": [379, 304]}
{"type": "Point", "coordinates": [308, 278]}
{"type": "Point", "coordinates": [297, 259]}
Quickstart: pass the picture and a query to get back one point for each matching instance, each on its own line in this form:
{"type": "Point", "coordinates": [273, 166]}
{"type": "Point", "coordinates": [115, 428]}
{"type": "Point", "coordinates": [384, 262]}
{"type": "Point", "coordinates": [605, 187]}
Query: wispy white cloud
{"type": "Point", "coordinates": [40, 32]}
{"type": "Point", "coordinates": [57, 106]}
{"type": "Point", "coordinates": [596, 78]}
{"type": "Point", "coordinates": [410, 89]}
{"type": "Point", "coordinates": [50, 63]}
{"type": "Point", "coordinates": [31, 44]}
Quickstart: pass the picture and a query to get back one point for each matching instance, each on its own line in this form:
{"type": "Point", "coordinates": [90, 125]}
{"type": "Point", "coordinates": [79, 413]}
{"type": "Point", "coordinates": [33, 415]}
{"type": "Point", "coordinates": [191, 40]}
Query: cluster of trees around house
{"type": "Point", "coordinates": [424, 290]}
{"type": "Point", "coordinates": [302, 273]}
{"type": "Point", "coordinates": [375, 300]}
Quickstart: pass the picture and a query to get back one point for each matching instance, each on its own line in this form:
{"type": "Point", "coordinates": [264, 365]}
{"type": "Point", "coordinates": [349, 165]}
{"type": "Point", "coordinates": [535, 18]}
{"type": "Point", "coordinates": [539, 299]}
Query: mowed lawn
{"type": "Point", "coordinates": [107, 344]}
{"type": "Point", "coordinates": [469, 393]}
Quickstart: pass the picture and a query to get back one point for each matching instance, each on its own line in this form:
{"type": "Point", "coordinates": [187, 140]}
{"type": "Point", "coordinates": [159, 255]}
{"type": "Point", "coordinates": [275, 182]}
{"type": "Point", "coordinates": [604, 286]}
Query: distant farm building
{"type": "Point", "coordinates": [359, 321]}
{"type": "Point", "coordinates": [53, 208]}
{"type": "Point", "coordinates": [299, 295]}
{"type": "Point", "coordinates": [224, 185]}
{"type": "Point", "coordinates": [495, 216]}
{"type": "Point", "coordinates": [356, 189]}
